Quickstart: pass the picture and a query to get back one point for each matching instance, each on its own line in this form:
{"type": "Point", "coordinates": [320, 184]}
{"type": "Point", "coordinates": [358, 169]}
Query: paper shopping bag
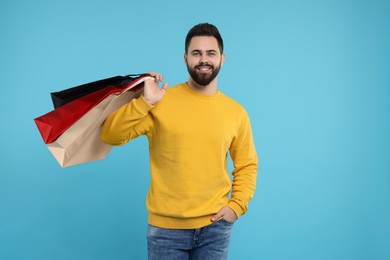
{"type": "Point", "coordinates": [81, 142]}
{"type": "Point", "coordinates": [65, 96]}
{"type": "Point", "coordinates": [54, 123]}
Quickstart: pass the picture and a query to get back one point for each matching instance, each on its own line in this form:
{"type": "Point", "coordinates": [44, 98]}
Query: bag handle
{"type": "Point", "coordinates": [137, 82]}
{"type": "Point", "coordinates": [137, 75]}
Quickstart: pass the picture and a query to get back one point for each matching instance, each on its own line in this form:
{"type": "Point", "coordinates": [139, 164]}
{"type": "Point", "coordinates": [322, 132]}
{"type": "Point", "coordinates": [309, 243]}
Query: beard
{"type": "Point", "coordinates": [200, 78]}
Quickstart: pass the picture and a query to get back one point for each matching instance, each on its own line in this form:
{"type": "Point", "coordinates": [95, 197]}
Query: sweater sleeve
{"type": "Point", "coordinates": [245, 161]}
{"type": "Point", "coordinates": [128, 122]}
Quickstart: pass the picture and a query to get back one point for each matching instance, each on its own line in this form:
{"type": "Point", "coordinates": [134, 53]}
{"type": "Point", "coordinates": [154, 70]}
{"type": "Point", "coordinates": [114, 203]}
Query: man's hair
{"type": "Point", "coordinates": [204, 29]}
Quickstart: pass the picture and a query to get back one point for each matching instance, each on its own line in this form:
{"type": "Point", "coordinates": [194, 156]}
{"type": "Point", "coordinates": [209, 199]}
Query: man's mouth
{"type": "Point", "coordinates": [204, 68]}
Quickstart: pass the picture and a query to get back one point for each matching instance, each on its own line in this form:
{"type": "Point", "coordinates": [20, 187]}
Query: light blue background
{"type": "Point", "coordinates": [314, 77]}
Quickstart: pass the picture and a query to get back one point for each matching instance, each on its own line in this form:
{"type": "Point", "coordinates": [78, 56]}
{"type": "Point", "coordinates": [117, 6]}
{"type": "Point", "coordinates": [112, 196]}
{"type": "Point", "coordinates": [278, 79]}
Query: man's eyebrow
{"type": "Point", "coordinates": [198, 50]}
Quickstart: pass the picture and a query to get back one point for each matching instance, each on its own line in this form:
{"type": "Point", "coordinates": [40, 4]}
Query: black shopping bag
{"type": "Point", "coordinates": [65, 96]}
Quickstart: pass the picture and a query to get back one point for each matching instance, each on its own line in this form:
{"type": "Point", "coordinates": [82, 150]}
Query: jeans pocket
{"type": "Point", "coordinates": [226, 222]}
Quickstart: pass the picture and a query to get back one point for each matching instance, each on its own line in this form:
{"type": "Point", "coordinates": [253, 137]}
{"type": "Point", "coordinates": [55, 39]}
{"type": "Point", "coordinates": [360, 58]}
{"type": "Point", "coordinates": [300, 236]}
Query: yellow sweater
{"type": "Point", "coordinates": [190, 135]}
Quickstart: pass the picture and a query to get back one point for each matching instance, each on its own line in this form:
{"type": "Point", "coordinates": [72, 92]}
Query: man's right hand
{"type": "Point", "coordinates": [152, 93]}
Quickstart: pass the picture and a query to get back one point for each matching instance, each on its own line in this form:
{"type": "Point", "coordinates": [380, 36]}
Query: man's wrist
{"type": "Point", "coordinates": [236, 208]}
{"type": "Point", "coordinates": [150, 102]}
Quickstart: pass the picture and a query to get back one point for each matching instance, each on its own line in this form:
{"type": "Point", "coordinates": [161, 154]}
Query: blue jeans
{"type": "Point", "coordinates": [209, 242]}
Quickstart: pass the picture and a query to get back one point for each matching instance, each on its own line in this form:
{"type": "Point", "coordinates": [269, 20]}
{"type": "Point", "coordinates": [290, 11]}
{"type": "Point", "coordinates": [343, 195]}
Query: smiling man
{"type": "Point", "coordinates": [203, 64]}
{"type": "Point", "coordinates": [191, 127]}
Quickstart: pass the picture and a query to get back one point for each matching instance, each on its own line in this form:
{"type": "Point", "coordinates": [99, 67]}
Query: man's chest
{"type": "Point", "coordinates": [200, 125]}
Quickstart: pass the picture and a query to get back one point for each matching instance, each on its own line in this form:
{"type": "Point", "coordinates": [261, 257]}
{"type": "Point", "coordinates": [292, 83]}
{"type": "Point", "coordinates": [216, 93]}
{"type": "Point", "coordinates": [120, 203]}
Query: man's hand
{"type": "Point", "coordinates": [226, 213]}
{"type": "Point", "coordinates": [152, 93]}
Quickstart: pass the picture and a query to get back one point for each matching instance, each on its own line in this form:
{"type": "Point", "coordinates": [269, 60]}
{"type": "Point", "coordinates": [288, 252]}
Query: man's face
{"type": "Point", "coordinates": [203, 59]}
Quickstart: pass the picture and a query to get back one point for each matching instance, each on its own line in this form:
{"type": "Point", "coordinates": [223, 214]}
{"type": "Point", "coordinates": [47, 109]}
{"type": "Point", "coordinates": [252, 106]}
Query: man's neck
{"type": "Point", "coordinates": [209, 89]}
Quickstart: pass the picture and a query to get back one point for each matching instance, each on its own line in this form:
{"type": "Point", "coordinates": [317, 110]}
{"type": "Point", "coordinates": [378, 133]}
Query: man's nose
{"type": "Point", "coordinates": [203, 58]}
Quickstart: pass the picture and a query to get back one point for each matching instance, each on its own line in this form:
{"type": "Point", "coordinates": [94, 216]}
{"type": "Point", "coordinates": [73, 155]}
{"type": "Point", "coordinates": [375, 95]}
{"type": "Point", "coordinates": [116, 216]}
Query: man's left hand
{"type": "Point", "coordinates": [226, 213]}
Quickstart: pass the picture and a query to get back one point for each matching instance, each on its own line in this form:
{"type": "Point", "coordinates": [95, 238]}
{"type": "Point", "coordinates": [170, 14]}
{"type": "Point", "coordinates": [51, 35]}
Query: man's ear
{"type": "Point", "coordinates": [185, 58]}
{"type": "Point", "coordinates": [223, 57]}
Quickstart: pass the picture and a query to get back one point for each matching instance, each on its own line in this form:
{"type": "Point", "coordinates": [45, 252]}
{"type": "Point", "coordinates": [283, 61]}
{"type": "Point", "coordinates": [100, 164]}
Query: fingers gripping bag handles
{"type": "Point", "coordinates": [81, 142]}
{"type": "Point", "coordinates": [54, 123]}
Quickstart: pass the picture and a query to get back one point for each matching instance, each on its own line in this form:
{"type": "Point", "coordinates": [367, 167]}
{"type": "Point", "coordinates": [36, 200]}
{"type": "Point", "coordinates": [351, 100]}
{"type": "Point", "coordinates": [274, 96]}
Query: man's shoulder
{"type": "Point", "coordinates": [176, 87]}
{"type": "Point", "coordinates": [232, 102]}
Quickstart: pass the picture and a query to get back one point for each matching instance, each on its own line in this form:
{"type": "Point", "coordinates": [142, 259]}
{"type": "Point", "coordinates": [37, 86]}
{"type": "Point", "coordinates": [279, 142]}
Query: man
{"type": "Point", "coordinates": [191, 127]}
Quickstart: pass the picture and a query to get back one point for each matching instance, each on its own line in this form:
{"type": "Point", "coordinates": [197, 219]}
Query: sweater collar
{"type": "Point", "coordinates": [194, 93]}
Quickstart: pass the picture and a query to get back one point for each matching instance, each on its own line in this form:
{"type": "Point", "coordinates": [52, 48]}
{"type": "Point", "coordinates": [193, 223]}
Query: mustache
{"type": "Point", "coordinates": [204, 64]}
